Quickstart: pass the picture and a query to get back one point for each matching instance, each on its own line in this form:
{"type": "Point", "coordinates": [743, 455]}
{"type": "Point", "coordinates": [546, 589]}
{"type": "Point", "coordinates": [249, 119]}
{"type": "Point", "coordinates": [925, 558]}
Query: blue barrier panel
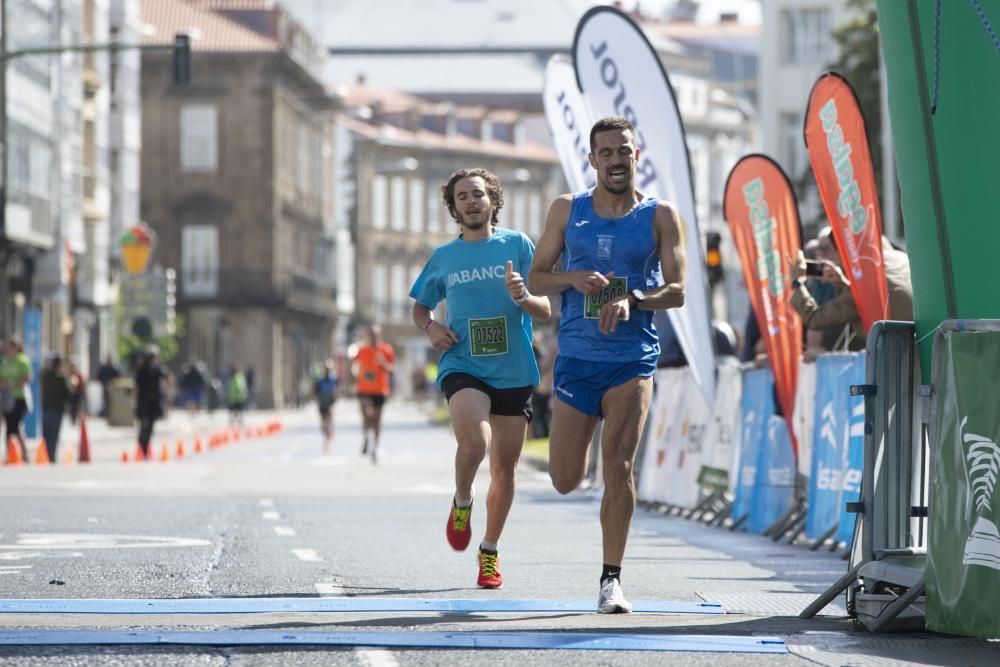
{"type": "Point", "coordinates": [774, 487]}
{"type": "Point", "coordinates": [143, 606]}
{"type": "Point", "coordinates": [758, 406]}
{"type": "Point", "coordinates": [579, 641]}
{"type": "Point", "coordinates": [854, 454]}
{"type": "Point", "coordinates": [833, 373]}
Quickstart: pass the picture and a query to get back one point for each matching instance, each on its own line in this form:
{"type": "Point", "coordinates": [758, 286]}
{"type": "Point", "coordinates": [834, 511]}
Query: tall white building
{"type": "Point", "coordinates": [72, 152]}
{"type": "Point", "coordinates": [796, 47]}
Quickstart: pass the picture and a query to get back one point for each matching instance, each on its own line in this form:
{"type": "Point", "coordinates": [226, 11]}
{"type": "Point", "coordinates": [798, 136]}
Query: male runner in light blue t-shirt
{"type": "Point", "coordinates": [623, 257]}
{"type": "Point", "coordinates": [487, 367]}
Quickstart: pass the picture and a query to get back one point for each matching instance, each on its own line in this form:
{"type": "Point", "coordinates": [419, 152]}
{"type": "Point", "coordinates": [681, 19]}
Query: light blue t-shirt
{"type": "Point", "coordinates": [494, 334]}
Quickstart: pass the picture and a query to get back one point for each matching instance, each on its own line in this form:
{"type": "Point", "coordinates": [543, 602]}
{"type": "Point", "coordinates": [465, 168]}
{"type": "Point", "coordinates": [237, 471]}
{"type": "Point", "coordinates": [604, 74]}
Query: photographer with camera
{"type": "Point", "coordinates": [841, 311]}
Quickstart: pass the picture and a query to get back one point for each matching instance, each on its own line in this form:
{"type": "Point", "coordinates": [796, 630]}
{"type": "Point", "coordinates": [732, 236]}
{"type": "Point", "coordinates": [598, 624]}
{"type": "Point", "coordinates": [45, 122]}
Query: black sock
{"type": "Point", "coordinates": [611, 572]}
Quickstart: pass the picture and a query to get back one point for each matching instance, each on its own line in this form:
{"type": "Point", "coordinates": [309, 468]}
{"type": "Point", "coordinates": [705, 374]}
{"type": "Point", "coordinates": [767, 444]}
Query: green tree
{"type": "Point", "coordinates": [857, 61]}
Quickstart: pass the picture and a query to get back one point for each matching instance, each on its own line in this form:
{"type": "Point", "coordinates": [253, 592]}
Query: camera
{"type": "Point", "coordinates": [814, 269]}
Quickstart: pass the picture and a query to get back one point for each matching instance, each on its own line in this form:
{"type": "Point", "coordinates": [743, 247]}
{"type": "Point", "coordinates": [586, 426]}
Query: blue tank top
{"type": "Point", "coordinates": [626, 246]}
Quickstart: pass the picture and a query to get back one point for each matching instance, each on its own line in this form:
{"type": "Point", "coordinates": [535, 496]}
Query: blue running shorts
{"type": "Point", "coordinates": [582, 384]}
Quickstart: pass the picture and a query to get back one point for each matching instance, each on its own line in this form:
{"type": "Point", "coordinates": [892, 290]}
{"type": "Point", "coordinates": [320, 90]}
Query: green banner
{"type": "Point", "coordinates": [963, 555]}
{"type": "Point", "coordinates": [943, 65]}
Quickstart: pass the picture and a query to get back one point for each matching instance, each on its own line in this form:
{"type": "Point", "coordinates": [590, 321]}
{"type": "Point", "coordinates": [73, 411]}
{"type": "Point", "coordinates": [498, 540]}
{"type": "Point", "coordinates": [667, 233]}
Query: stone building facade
{"type": "Point", "coordinates": [235, 168]}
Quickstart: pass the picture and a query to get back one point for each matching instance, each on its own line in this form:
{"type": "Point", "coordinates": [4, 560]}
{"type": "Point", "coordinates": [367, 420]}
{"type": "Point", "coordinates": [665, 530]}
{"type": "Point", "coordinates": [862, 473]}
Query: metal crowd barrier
{"type": "Point", "coordinates": [886, 572]}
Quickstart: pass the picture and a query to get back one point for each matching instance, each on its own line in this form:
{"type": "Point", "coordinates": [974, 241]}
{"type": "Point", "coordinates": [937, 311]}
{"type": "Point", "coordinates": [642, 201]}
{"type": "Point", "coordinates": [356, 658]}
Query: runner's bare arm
{"type": "Point", "coordinates": [441, 336]}
{"type": "Point", "coordinates": [673, 260]}
{"type": "Point", "coordinates": [542, 280]}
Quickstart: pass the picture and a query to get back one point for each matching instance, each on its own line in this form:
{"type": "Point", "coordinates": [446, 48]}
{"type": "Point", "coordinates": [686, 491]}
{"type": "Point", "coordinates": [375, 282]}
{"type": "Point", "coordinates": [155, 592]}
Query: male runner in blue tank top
{"type": "Point", "coordinates": [487, 367]}
{"type": "Point", "coordinates": [623, 258]}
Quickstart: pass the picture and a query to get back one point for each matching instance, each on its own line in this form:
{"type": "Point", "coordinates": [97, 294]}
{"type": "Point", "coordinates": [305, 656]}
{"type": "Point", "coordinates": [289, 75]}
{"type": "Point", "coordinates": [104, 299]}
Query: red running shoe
{"type": "Point", "coordinates": [458, 530]}
{"type": "Point", "coordinates": [489, 575]}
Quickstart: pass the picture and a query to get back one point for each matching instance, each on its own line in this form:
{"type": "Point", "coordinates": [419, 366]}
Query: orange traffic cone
{"type": "Point", "coordinates": [164, 453]}
{"type": "Point", "coordinates": [42, 457]}
{"type": "Point", "coordinates": [139, 456]}
{"type": "Point", "coordinates": [67, 459]}
{"type": "Point", "coordinates": [84, 441]}
{"type": "Point", "coordinates": [180, 449]}
{"type": "Point", "coordinates": [124, 456]}
{"type": "Point", "coordinates": [197, 446]}
{"type": "Point", "coordinates": [14, 457]}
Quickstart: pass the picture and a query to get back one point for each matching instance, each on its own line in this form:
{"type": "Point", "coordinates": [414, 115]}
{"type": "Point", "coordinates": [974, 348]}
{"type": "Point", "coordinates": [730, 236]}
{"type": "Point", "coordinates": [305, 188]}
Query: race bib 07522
{"type": "Point", "coordinates": [488, 336]}
{"type": "Point", "coordinates": [616, 289]}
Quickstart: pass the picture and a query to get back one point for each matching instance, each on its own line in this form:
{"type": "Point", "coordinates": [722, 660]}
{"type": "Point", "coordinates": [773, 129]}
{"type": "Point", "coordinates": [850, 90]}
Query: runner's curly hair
{"type": "Point", "coordinates": [493, 188]}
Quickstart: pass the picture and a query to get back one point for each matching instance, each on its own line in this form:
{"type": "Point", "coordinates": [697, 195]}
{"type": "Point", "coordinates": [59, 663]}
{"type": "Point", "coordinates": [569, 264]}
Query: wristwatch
{"type": "Point", "coordinates": [635, 298]}
{"type": "Point", "coordinates": [796, 283]}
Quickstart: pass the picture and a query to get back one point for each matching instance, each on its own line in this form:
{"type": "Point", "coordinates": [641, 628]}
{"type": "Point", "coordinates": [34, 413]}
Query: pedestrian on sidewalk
{"type": "Point", "coordinates": [15, 390]}
{"type": "Point", "coordinates": [105, 374]}
{"type": "Point", "coordinates": [236, 395]}
{"type": "Point", "coordinates": [374, 364]}
{"type": "Point", "coordinates": [78, 386]}
{"type": "Point", "coordinates": [149, 394]}
{"type": "Point", "coordinates": [623, 258]}
{"type": "Point", "coordinates": [192, 386]}
{"type": "Point", "coordinates": [57, 394]}
{"type": "Point", "coordinates": [487, 367]}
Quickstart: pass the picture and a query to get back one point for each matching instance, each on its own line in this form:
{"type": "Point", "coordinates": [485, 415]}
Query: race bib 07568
{"type": "Point", "coordinates": [488, 336]}
{"type": "Point", "coordinates": [616, 289]}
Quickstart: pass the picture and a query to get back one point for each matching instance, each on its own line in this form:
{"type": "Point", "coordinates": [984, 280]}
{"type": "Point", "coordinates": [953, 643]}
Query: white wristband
{"type": "Point", "coordinates": [524, 297]}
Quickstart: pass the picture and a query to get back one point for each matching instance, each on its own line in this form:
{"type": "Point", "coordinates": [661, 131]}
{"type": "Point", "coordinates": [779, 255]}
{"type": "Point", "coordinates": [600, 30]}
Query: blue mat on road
{"type": "Point", "coordinates": [468, 640]}
{"type": "Point", "coordinates": [332, 604]}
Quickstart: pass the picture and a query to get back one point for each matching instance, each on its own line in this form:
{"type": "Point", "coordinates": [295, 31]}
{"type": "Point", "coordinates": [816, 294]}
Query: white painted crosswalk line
{"type": "Point", "coordinates": [309, 555]}
{"type": "Point", "coordinates": [285, 531]}
{"type": "Point", "coordinates": [376, 657]}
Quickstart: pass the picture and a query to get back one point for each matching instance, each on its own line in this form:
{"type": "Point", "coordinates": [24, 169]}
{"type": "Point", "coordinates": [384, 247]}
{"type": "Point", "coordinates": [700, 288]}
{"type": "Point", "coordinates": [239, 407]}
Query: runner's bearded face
{"type": "Point", "coordinates": [473, 203]}
{"type": "Point", "coordinates": [615, 158]}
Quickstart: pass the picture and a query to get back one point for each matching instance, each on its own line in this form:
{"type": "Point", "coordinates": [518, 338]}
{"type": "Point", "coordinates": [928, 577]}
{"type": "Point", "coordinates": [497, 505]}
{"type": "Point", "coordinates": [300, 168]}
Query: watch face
{"type": "Point", "coordinates": [639, 295]}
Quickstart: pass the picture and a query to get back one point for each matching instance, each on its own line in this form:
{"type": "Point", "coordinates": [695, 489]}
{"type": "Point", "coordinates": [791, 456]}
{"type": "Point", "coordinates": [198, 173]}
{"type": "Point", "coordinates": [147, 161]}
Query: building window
{"type": "Point", "coordinates": [792, 146]}
{"type": "Point", "coordinates": [200, 260]}
{"type": "Point", "coordinates": [380, 292]}
{"type": "Point", "coordinates": [416, 205]}
{"type": "Point", "coordinates": [400, 293]}
{"type": "Point", "coordinates": [434, 206]}
{"type": "Point", "coordinates": [379, 194]}
{"type": "Point", "coordinates": [518, 217]}
{"type": "Point", "coordinates": [398, 215]}
{"type": "Point", "coordinates": [805, 36]}
{"type": "Point", "coordinates": [199, 137]}
{"type": "Point", "coordinates": [535, 214]}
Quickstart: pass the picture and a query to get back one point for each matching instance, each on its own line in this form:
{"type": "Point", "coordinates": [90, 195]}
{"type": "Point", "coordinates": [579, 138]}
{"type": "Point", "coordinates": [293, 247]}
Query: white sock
{"type": "Point", "coordinates": [487, 546]}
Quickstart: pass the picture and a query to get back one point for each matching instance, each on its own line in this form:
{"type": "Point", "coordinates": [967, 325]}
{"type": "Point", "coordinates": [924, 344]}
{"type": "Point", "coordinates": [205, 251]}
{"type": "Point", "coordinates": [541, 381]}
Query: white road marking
{"type": "Point", "coordinates": [47, 541]}
{"type": "Point", "coordinates": [307, 555]}
{"type": "Point", "coordinates": [376, 657]}
{"type": "Point", "coordinates": [265, 502]}
{"type": "Point", "coordinates": [270, 515]}
{"type": "Point", "coordinates": [327, 589]}
{"type": "Point", "coordinates": [285, 531]}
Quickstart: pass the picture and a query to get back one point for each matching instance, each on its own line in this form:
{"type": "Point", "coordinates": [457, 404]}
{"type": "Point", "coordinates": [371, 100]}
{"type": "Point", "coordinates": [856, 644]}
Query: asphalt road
{"type": "Point", "coordinates": [278, 517]}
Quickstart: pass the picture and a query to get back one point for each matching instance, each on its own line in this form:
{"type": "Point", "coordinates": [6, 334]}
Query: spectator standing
{"type": "Point", "coordinates": [57, 394]}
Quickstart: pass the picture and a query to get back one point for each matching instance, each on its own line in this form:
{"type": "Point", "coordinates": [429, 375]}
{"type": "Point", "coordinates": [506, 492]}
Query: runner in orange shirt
{"type": "Point", "coordinates": [373, 364]}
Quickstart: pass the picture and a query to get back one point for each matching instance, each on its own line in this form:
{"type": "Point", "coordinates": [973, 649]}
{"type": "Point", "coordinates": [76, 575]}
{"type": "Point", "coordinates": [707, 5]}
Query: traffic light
{"type": "Point", "coordinates": [713, 258]}
{"type": "Point", "coordinates": [182, 60]}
